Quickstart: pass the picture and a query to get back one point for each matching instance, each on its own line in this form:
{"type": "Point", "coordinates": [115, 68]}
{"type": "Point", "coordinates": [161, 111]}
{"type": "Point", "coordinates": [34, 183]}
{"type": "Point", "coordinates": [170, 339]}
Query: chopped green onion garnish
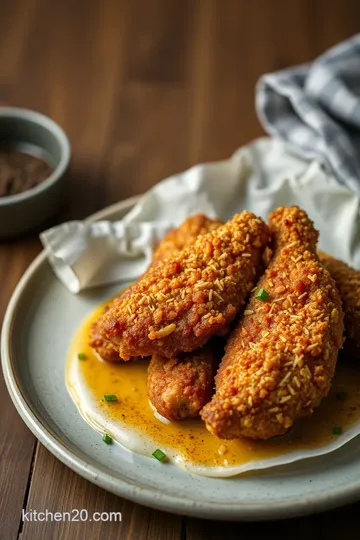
{"type": "Point", "coordinates": [107, 439]}
{"type": "Point", "coordinates": [336, 431]}
{"type": "Point", "coordinates": [81, 356]}
{"type": "Point", "coordinates": [110, 397]}
{"type": "Point", "coordinates": [159, 455]}
{"type": "Point", "coordinates": [262, 295]}
{"type": "Point", "coordinates": [341, 395]}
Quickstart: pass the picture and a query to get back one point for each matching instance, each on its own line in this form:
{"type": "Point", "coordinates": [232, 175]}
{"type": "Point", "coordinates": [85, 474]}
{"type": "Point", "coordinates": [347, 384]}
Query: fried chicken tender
{"type": "Point", "coordinates": [281, 357]}
{"type": "Point", "coordinates": [347, 281]}
{"type": "Point", "coordinates": [180, 387]}
{"type": "Point", "coordinates": [178, 305]}
{"type": "Point", "coordinates": [102, 347]}
{"type": "Point", "coordinates": [184, 236]}
{"type": "Point", "coordinates": [173, 242]}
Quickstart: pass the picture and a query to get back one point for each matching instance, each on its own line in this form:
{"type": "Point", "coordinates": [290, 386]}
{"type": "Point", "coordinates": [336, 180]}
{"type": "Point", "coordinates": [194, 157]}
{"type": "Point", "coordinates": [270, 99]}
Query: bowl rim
{"type": "Point", "coordinates": [31, 116]}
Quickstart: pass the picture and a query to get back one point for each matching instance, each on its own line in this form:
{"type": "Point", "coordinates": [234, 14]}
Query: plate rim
{"type": "Point", "coordinates": [152, 498]}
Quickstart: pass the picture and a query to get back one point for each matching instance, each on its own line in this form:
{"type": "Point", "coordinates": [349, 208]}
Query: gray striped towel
{"type": "Point", "coordinates": [316, 109]}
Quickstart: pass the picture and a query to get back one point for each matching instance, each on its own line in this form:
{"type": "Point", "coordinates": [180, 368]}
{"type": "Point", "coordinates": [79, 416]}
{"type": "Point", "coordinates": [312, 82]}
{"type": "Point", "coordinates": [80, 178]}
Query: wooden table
{"type": "Point", "coordinates": [144, 89]}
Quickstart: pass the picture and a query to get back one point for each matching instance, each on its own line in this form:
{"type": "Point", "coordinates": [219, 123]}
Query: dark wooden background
{"type": "Point", "coordinates": [144, 89]}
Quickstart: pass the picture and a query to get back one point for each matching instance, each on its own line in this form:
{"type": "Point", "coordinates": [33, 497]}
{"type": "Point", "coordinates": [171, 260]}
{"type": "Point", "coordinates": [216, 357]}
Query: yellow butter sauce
{"type": "Point", "coordinates": [131, 420]}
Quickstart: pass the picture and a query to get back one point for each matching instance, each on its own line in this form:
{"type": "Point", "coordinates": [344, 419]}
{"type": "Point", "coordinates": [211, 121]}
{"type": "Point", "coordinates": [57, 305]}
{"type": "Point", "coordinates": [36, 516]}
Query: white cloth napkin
{"type": "Point", "coordinates": [259, 177]}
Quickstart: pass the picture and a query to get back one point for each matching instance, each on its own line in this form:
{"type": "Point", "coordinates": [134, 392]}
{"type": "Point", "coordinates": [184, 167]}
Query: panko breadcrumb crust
{"type": "Point", "coordinates": [178, 305]}
{"type": "Point", "coordinates": [173, 242]}
{"type": "Point", "coordinates": [184, 236]}
{"type": "Point", "coordinates": [102, 347]}
{"type": "Point", "coordinates": [281, 357]}
{"type": "Point", "coordinates": [180, 387]}
{"type": "Point", "coordinates": [347, 281]}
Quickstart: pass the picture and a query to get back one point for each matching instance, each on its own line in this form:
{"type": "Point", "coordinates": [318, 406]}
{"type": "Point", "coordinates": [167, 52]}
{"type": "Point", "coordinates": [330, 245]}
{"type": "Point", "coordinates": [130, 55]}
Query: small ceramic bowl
{"type": "Point", "coordinates": [32, 132]}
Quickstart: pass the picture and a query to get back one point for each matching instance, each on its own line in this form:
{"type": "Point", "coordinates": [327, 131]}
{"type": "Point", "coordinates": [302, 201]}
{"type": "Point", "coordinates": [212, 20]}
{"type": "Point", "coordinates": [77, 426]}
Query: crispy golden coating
{"type": "Point", "coordinates": [175, 240]}
{"type": "Point", "coordinates": [281, 357]}
{"type": "Point", "coordinates": [102, 347]}
{"type": "Point", "coordinates": [184, 236]}
{"type": "Point", "coordinates": [180, 387]}
{"type": "Point", "coordinates": [348, 283]}
{"type": "Point", "coordinates": [178, 305]}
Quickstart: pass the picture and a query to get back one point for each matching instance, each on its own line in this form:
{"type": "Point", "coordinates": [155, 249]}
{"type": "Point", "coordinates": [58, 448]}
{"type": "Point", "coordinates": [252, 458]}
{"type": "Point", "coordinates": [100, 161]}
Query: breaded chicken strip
{"type": "Point", "coordinates": [102, 347]}
{"type": "Point", "coordinates": [184, 236]}
{"type": "Point", "coordinates": [173, 242]}
{"type": "Point", "coordinates": [180, 387]}
{"type": "Point", "coordinates": [281, 357]}
{"type": "Point", "coordinates": [348, 284]}
{"type": "Point", "coordinates": [178, 305]}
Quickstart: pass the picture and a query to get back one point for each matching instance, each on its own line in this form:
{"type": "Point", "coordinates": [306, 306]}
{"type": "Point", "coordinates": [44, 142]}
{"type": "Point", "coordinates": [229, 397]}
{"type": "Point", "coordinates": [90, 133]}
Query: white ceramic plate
{"type": "Point", "coordinates": [38, 326]}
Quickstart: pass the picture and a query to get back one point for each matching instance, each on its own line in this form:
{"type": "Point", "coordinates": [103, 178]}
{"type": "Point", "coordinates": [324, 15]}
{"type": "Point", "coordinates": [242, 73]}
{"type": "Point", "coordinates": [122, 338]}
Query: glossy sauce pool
{"type": "Point", "coordinates": [132, 422]}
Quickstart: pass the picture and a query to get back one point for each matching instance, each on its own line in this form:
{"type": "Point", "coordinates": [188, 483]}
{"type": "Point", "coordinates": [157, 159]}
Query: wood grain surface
{"type": "Point", "coordinates": [144, 89]}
